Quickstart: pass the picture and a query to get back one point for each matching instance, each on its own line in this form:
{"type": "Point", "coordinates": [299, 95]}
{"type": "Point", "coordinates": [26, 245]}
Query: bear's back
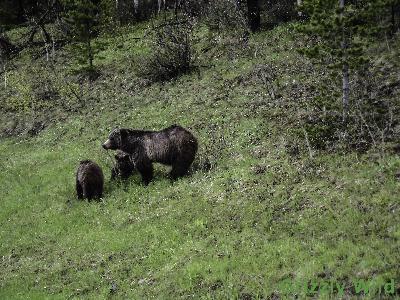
{"type": "Point", "coordinates": [90, 173]}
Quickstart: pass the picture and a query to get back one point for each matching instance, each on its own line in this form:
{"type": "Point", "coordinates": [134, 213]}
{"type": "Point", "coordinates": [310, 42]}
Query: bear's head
{"type": "Point", "coordinates": [115, 139]}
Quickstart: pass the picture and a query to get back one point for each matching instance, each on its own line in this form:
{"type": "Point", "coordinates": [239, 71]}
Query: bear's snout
{"type": "Point", "coordinates": [106, 145]}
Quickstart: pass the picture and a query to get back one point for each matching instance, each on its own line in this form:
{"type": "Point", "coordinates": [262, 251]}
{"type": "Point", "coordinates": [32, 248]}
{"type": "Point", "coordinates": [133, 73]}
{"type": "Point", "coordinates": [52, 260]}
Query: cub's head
{"type": "Point", "coordinates": [124, 161]}
{"type": "Point", "coordinates": [124, 166]}
{"type": "Point", "coordinates": [122, 157]}
{"type": "Point", "coordinates": [115, 139]}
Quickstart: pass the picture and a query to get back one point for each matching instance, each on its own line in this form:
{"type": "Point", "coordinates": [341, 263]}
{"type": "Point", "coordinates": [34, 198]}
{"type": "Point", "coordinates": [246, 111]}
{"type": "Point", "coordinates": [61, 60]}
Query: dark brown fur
{"type": "Point", "coordinates": [124, 166]}
{"type": "Point", "coordinates": [174, 146]}
{"type": "Point", "coordinates": [89, 180]}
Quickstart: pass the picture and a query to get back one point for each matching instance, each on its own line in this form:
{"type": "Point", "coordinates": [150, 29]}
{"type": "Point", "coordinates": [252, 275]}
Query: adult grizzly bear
{"type": "Point", "coordinates": [89, 180]}
{"type": "Point", "coordinates": [174, 146]}
{"type": "Point", "coordinates": [124, 165]}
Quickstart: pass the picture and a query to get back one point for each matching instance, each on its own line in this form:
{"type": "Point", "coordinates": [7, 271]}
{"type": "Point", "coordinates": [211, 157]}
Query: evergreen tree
{"type": "Point", "coordinates": [344, 29]}
{"type": "Point", "coordinates": [83, 18]}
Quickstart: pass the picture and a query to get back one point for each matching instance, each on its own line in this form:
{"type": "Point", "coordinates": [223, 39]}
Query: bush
{"type": "Point", "coordinates": [29, 89]}
{"type": "Point", "coordinates": [171, 52]}
{"type": "Point", "coordinates": [375, 113]}
{"type": "Point", "coordinates": [40, 87]}
{"type": "Point", "coordinates": [372, 119]}
{"type": "Point", "coordinates": [226, 15]}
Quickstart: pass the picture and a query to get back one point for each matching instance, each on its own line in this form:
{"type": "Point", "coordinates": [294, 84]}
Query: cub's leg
{"type": "Point", "coordinates": [87, 193]}
{"type": "Point", "coordinates": [99, 194]}
{"type": "Point", "coordinates": [79, 190]}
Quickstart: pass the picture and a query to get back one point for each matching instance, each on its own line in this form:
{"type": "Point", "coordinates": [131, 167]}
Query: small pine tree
{"type": "Point", "coordinates": [83, 18]}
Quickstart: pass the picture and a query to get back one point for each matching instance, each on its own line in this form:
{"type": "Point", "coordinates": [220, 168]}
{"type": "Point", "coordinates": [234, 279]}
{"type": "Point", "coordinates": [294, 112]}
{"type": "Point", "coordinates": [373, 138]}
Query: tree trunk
{"type": "Point", "coordinates": [90, 55]}
{"type": "Point", "coordinates": [345, 90]}
{"type": "Point", "coordinates": [136, 6]}
{"type": "Point", "coordinates": [46, 35]}
{"type": "Point", "coordinates": [253, 10]}
{"type": "Point", "coordinates": [299, 13]}
{"type": "Point", "coordinates": [395, 13]}
{"type": "Point", "coordinates": [5, 75]}
{"type": "Point", "coordinates": [345, 65]}
{"type": "Point", "coordinates": [161, 5]}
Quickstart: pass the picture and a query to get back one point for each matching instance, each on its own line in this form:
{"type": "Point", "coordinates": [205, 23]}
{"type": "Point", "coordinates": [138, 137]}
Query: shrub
{"type": "Point", "coordinates": [372, 119]}
{"type": "Point", "coordinates": [29, 89]}
{"type": "Point", "coordinates": [171, 52]}
{"type": "Point", "coordinates": [40, 87]}
{"type": "Point", "coordinates": [226, 15]}
{"type": "Point", "coordinates": [375, 113]}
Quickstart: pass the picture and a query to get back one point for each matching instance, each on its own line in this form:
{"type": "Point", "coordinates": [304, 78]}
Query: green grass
{"type": "Point", "coordinates": [257, 218]}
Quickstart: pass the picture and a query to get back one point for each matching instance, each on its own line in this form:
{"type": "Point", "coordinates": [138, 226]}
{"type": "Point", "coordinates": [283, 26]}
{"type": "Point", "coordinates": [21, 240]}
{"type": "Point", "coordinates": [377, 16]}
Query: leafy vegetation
{"type": "Point", "coordinates": [171, 52]}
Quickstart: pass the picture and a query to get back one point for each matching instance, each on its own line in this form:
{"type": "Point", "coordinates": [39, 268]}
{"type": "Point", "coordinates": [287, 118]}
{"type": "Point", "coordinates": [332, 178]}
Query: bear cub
{"type": "Point", "coordinates": [174, 146]}
{"type": "Point", "coordinates": [124, 165]}
{"type": "Point", "coordinates": [89, 180]}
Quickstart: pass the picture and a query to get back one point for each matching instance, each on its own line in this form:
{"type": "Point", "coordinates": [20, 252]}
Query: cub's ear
{"type": "Point", "coordinates": [124, 134]}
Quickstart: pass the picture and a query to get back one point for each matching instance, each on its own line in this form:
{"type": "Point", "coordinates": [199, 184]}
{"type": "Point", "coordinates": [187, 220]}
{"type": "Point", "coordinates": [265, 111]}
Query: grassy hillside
{"type": "Point", "coordinates": [256, 214]}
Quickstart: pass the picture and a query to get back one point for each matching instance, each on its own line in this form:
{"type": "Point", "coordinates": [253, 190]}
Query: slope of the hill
{"type": "Point", "coordinates": [253, 220]}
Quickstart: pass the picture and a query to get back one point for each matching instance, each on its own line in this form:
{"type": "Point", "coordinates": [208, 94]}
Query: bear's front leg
{"type": "Point", "coordinates": [145, 169]}
{"type": "Point", "coordinates": [79, 190]}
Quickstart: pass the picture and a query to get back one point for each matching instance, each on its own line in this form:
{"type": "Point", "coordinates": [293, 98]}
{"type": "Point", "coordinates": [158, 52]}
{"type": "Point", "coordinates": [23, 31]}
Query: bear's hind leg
{"type": "Point", "coordinates": [179, 169]}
